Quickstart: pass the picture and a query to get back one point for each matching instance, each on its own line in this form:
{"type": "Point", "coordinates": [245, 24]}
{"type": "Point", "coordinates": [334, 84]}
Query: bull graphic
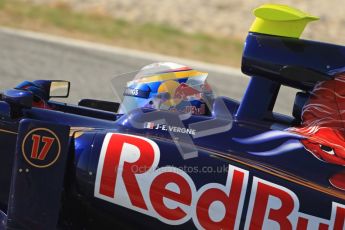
{"type": "Point", "coordinates": [323, 124]}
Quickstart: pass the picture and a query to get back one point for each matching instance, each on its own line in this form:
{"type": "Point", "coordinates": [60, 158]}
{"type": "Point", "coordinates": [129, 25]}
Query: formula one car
{"type": "Point", "coordinates": [172, 155]}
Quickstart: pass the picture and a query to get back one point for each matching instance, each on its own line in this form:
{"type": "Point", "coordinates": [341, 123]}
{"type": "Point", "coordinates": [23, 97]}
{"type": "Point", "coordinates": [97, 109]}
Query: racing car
{"type": "Point", "coordinates": [173, 155]}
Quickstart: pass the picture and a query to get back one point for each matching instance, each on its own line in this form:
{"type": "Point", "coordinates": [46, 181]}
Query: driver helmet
{"type": "Point", "coordinates": [168, 86]}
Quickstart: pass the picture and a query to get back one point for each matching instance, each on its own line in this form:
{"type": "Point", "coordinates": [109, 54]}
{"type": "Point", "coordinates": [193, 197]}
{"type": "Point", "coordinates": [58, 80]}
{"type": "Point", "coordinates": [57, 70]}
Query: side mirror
{"type": "Point", "coordinates": [59, 89]}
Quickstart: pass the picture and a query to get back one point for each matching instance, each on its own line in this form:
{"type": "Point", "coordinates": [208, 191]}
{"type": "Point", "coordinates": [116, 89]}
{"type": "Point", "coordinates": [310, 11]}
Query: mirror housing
{"type": "Point", "coordinates": [13, 101]}
{"type": "Point", "coordinates": [59, 89]}
{"type": "Point", "coordinates": [18, 98]}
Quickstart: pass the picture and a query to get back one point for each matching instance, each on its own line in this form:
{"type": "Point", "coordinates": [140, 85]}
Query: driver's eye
{"type": "Point", "coordinates": [327, 149]}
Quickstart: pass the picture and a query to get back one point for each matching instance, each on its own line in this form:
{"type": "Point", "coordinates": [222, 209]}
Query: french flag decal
{"type": "Point", "coordinates": [149, 125]}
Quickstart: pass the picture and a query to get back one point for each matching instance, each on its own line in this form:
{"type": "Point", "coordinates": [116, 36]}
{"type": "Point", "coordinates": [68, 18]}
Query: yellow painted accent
{"type": "Point", "coordinates": [170, 76]}
{"type": "Point", "coordinates": [79, 131]}
{"type": "Point", "coordinates": [77, 134]}
{"type": "Point", "coordinates": [7, 131]}
{"type": "Point", "coordinates": [170, 87]}
{"type": "Point", "coordinates": [280, 20]}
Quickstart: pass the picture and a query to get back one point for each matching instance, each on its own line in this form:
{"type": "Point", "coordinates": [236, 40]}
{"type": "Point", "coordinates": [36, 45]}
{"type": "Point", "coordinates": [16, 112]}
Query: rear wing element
{"type": "Point", "coordinates": [38, 175]}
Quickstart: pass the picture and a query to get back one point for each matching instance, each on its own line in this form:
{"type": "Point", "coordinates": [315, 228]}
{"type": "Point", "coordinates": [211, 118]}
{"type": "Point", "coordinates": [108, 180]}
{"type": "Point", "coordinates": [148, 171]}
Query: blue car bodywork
{"type": "Point", "coordinates": [254, 173]}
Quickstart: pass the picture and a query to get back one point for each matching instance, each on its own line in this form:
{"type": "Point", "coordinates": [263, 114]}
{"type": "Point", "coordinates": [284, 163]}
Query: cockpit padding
{"type": "Point", "coordinates": [300, 100]}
